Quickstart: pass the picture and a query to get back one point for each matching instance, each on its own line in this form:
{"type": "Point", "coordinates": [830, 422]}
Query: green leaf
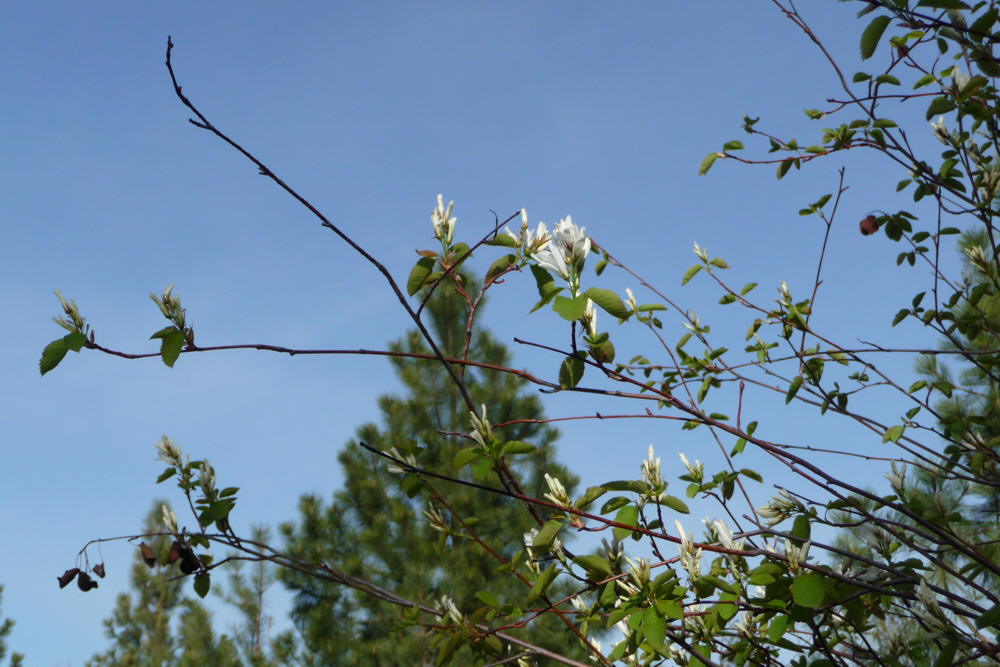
{"type": "Point", "coordinates": [570, 309]}
{"type": "Point", "coordinates": [674, 503]}
{"type": "Point", "coordinates": [893, 433]}
{"type": "Point", "coordinates": [488, 599]}
{"type": "Point", "coordinates": [590, 495]}
{"type": "Point", "coordinates": [75, 341]}
{"type": "Point", "coordinates": [171, 342]}
{"type": "Point", "coordinates": [943, 4]}
{"type": "Point", "coordinates": [419, 274]}
{"type": "Point", "coordinates": [628, 515]}
{"type": "Point", "coordinates": [733, 146]}
{"type": "Point", "coordinates": [499, 266]}
{"type": "Point", "coordinates": [690, 273]}
{"type": "Point", "coordinates": [807, 590]}
{"type": "Point", "coordinates": [793, 389]}
{"type": "Point", "coordinates": [609, 301]}
{"type": "Point", "coordinates": [707, 163]}
{"type": "Point", "coordinates": [595, 565]}
{"type": "Point", "coordinates": [801, 528]}
{"type": "Point", "coordinates": [571, 372]}
{"type": "Point", "coordinates": [614, 503]}
{"type": "Point", "coordinates": [202, 584]}
{"type": "Point", "coordinates": [989, 618]}
{"type": "Point", "coordinates": [466, 456]}
{"type": "Point", "coordinates": [517, 447]}
{"type": "Point", "coordinates": [776, 629]}
{"type": "Point", "coordinates": [542, 583]}
{"type": "Point", "coordinates": [938, 106]}
{"type": "Point", "coordinates": [52, 355]}
{"type": "Point", "coordinates": [547, 535]}
{"type": "Point", "coordinates": [871, 36]}
{"type": "Point", "coordinates": [166, 474]}
{"type": "Point", "coordinates": [654, 628]}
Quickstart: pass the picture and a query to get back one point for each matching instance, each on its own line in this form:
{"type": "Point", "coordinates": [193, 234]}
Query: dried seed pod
{"type": "Point", "coordinates": [176, 552]}
{"type": "Point", "coordinates": [99, 570]}
{"type": "Point", "coordinates": [189, 562]}
{"type": "Point", "coordinates": [68, 576]}
{"type": "Point", "coordinates": [85, 582]}
{"type": "Point", "coordinates": [869, 225]}
{"type": "Point", "coordinates": [147, 554]}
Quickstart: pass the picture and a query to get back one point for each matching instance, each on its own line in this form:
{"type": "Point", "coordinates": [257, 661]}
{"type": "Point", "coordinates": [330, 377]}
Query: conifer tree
{"type": "Point", "coordinates": [6, 625]}
{"type": "Point", "coordinates": [140, 627]}
{"type": "Point", "coordinates": [373, 528]}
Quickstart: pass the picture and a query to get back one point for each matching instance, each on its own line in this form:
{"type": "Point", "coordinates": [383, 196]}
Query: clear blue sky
{"type": "Point", "coordinates": [599, 110]}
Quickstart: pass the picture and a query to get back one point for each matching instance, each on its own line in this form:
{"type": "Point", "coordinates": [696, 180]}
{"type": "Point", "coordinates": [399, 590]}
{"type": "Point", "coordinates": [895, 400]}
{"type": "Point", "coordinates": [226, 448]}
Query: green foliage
{"type": "Point", "coordinates": [376, 530]}
{"type": "Point", "coordinates": [6, 625]}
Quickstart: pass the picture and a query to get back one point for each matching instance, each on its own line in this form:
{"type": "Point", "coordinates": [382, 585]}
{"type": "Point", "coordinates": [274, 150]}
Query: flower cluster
{"type": "Point", "coordinates": [444, 221]}
{"type": "Point", "coordinates": [567, 249]}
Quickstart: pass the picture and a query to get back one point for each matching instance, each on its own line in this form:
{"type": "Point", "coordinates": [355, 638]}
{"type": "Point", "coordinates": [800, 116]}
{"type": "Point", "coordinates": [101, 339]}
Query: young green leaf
{"type": "Point", "coordinates": [571, 372]}
{"type": "Point", "coordinates": [419, 274]}
{"type": "Point", "coordinates": [608, 300]}
{"type": "Point", "coordinates": [871, 36]}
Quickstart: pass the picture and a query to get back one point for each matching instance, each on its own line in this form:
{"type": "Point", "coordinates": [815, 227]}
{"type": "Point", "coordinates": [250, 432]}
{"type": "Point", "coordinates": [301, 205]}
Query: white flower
{"type": "Point", "coordinates": [651, 470]}
{"type": "Point", "coordinates": [568, 248]}
{"type": "Point", "coordinates": [697, 471]}
{"type": "Point", "coordinates": [444, 221]}
{"type": "Point", "coordinates": [959, 77]}
{"type": "Point", "coordinates": [589, 318]}
{"type": "Point", "coordinates": [783, 290]}
{"type": "Point", "coordinates": [450, 610]}
{"type": "Point", "coordinates": [701, 253]}
{"type": "Point", "coordinates": [482, 431]}
{"type": "Point", "coordinates": [633, 306]}
{"type": "Point", "coordinates": [557, 492]}
{"type": "Point", "coordinates": [940, 131]}
{"type": "Point", "coordinates": [169, 518]}
{"type": "Point", "coordinates": [169, 452]}
{"type": "Point", "coordinates": [395, 468]}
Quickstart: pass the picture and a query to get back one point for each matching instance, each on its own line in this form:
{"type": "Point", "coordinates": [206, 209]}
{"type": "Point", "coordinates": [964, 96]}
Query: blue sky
{"type": "Point", "coordinates": [598, 110]}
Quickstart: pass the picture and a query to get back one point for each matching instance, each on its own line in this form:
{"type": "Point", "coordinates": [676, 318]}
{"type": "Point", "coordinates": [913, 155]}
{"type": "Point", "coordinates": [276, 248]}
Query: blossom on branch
{"type": "Point", "coordinates": [567, 250]}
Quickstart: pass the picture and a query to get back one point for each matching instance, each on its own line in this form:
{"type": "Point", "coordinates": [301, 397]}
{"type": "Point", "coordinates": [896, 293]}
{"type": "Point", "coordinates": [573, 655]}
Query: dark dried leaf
{"type": "Point", "coordinates": [85, 582]}
{"type": "Point", "coordinates": [190, 562]}
{"type": "Point", "coordinates": [147, 554]}
{"type": "Point", "coordinates": [99, 570]}
{"type": "Point", "coordinates": [869, 225]}
{"type": "Point", "coordinates": [67, 577]}
{"type": "Point", "coordinates": [176, 552]}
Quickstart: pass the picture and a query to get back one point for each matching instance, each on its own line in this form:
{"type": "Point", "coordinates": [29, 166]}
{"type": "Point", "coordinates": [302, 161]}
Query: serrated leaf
{"type": "Point", "coordinates": [571, 372]}
{"type": "Point", "coordinates": [52, 355]}
{"type": "Point", "coordinates": [609, 301]}
{"type": "Point", "coordinates": [75, 341]}
{"type": "Point", "coordinates": [871, 36]}
{"type": "Point", "coordinates": [419, 274]}
{"type": "Point", "coordinates": [570, 309]}
{"type": "Point", "coordinates": [517, 447]}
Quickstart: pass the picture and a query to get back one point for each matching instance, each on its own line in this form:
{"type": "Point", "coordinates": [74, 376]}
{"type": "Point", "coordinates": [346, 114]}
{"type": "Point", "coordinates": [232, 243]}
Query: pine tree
{"type": "Point", "coordinates": [374, 529]}
{"type": "Point", "coordinates": [140, 627]}
{"type": "Point", "coordinates": [6, 625]}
